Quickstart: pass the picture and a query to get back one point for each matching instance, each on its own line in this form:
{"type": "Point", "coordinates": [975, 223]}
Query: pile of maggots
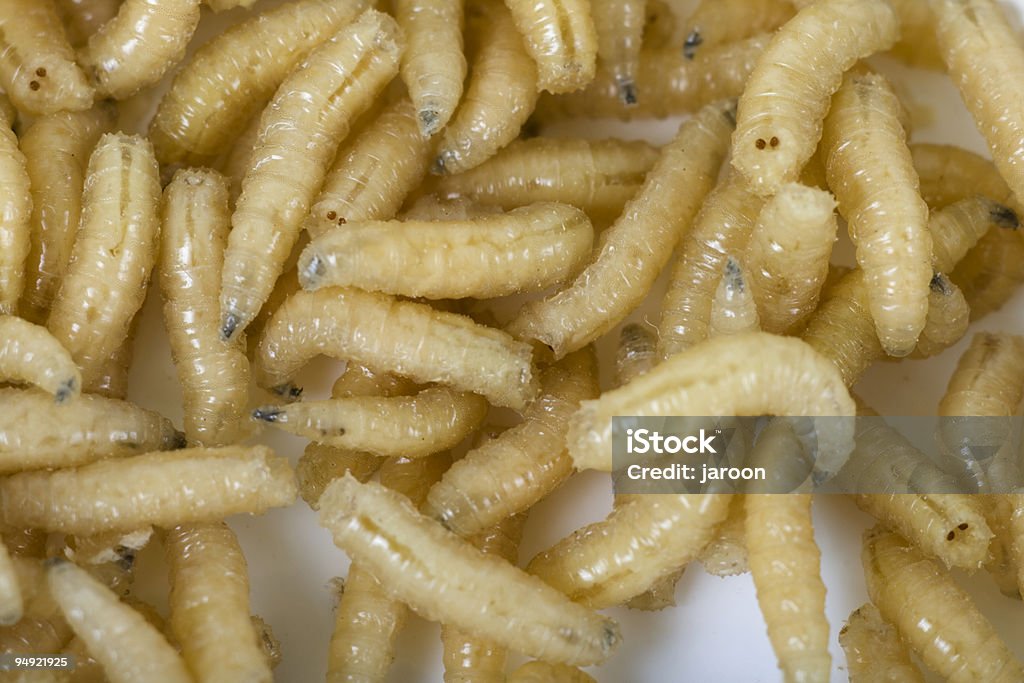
{"type": "Point", "coordinates": [326, 178]}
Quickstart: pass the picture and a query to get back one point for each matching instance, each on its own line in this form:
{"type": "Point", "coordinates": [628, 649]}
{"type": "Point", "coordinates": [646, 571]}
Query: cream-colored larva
{"type": "Point", "coordinates": [636, 353]}
{"type": "Point", "coordinates": [35, 433]}
{"type": "Point", "coordinates": [115, 249]}
{"type": "Point", "coordinates": [139, 45]}
{"type": "Point", "coordinates": [12, 605]}
{"type": "Point", "coordinates": [966, 29]}
{"type": "Point", "coordinates": [722, 227]}
{"type": "Point", "coordinates": [785, 563]}
{"type": "Point", "coordinates": [301, 129]}
{"type": "Point", "coordinates": [223, 5]}
{"type": "Point", "coordinates": [372, 176]}
{"type": "Point", "coordinates": [597, 176]}
{"type": "Point", "coordinates": [438, 574]}
{"type": "Point", "coordinates": [733, 310]}
{"type": "Point", "coordinates": [561, 39]}
{"type": "Point", "coordinates": [699, 381]}
{"type": "Point", "coordinates": [992, 272]}
{"type": "Point", "coordinates": [779, 121]}
{"type": "Point", "coordinates": [500, 94]}
{"type": "Point", "coordinates": [947, 320]}
{"type": "Point", "coordinates": [620, 30]}
{"type": "Point", "coordinates": [525, 250]}
{"type": "Point", "coordinates": [949, 174]}
{"type": "Point", "coordinates": [788, 253]}
{"type": "Point", "coordinates": [958, 227]}
{"type": "Point", "coordinates": [129, 648]}
{"type": "Point", "coordinates": [82, 18]}
{"type": "Point", "coordinates": [57, 149]}
{"type": "Point", "coordinates": [162, 489]}
{"type": "Point", "coordinates": [433, 420]}
{"type": "Point", "coordinates": [209, 605]}
{"type": "Point", "coordinates": [214, 374]}
{"type": "Point", "coordinates": [511, 472]}
{"type": "Point", "coordinates": [869, 168]}
{"type": "Point", "coordinates": [1003, 557]}
{"type": "Point", "coordinates": [42, 628]}
{"type": "Point", "coordinates": [37, 64]}
{"type": "Point", "coordinates": [403, 337]}
{"type": "Point", "coordinates": [29, 353]}
{"type": "Point", "coordinates": [717, 22]}
{"type": "Point", "coordinates": [726, 553]}
{"type": "Point", "coordinates": [639, 244]}
{"type": "Point", "coordinates": [231, 78]}
{"type": "Point", "coordinates": [660, 24]}
{"type": "Point", "coordinates": [113, 374]}
{"type": "Point", "coordinates": [932, 614]}
{"type": "Point", "coordinates": [109, 557]}
{"type": "Point", "coordinates": [433, 66]}
{"type": "Point", "coordinates": [874, 650]}
{"type": "Point", "coordinates": [15, 217]}
{"type": "Point", "coordinates": [545, 672]}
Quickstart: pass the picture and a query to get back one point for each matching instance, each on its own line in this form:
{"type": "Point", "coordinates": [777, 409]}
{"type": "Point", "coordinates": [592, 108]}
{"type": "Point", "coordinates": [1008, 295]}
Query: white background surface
{"type": "Point", "coordinates": [716, 633]}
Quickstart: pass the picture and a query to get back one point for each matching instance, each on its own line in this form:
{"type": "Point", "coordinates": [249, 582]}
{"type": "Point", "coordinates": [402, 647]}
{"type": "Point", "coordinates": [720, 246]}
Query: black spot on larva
{"type": "Point", "coordinates": [774, 142]}
{"type": "Point", "coordinates": [951, 535]}
{"type": "Point", "coordinates": [315, 269]}
{"type": "Point", "coordinates": [34, 85]}
{"type": "Point", "coordinates": [125, 557]}
{"type": "Point", "coordinates": [341, 220]}
{"type": "Point", "coordinates": [288, 390]}
{"type": "Point", "coordinates": [268, 414]}
{"type": "Point", "coordinates": [228, 326]}
{"type": "Point", "coordinates": [66, 390]}
{"type": "Point", "coordinates": [963, 526]}
{"type": "Point", "coordinates": [437, 168]}
{"type": "Point", "coordinates": [179, 441]}
{"type": "Point", "coordinates": [692, 42]}
{"type": "Point", "coordinates": [56, 562]}
{"type": "Point", "coordinates": [41, 72]}
{"type": "Point", "coordinates": [940, 285]}
{"type": "Point", "coordinates": [760, 143]}
{"type": "Point", "coordinates": [730, 113]}
{"type": "Point", "coordinates": [332, 215]}
{"type": "Point", "coordinates": [340, 431]}
{"type": "Point", "coordinates": [428, 121]}
{"type": "Point", "coordinates": [1004, 217]}
{"type": "Point", "coordinates": [733, 273]}
{"type": "Point", "coordinates": [627, 92]}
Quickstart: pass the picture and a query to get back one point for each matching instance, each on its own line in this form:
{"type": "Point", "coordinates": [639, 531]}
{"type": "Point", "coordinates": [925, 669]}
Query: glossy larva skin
{"type": "Point", "coordinates": [500, 94]}
{"type": "Point", "coordinates": [874, 651]}
{"type": "Point", "coordinates": [12, 605]}
{"type": "Point", "coordinates": [636, 353]}
{"type": "Point", "coordinates": [301, 129]}
{"type": "Point", "coordinates": [82, 18]}
{"type": "Point", "coordinates": [120, 638]}
{"type": "Point", "coordinates": [231, 78]}
{"type": "Point", "coordinates": [222, 5]}
{"type": "Point", "coordinates": [958, 227]}
{"type": "Point", "coordinates": [214, 374]}
{"type": "Point", "coordinates": [15, 218]}
{"type": "Point", "coordinates": [525, 250]}
{"type": "Point", "coordinates": [726, 553]}
{"type": "Point", "coordinates": [717, 22]}
{"type": "Point", "coordinates": [785, 563]}
{"type": "Point", "coordinates": [511, 472]}
{"type": "Point", "coordinates": [36, 433]}
{"type": "Point", "coordinates": [965, 29]}
{"type": "Point", "coordinates": [991, 273]}
{"type": "Point", "coordinates": [932, 614]}
{"type": "Point", "coordinates": [788, 254]}
{"type": "Point", "coordinates": [701, 381]}
{"type": "Point", "coordinates": [402, 337]}
{"type": "Point", "coordinates": [870, 169]}
{"type": "Point", "coordinates": [192, 485]}
{"type": "Point", "coordinates": [114, 252]}
{"type": "Point", "coordinates": [209, 605]}
{"type": "Point", "coordinates": [560, 37]}
{"type": "Point", "coordinates": [440, 576]}
{"type": "Point", "coordinates": [544, 672]}
{"type": "Point", "coordinates": [780, 116]}
{"type": "Point", "coordinates": [620, 31]}
{"type": "Point", "coordinates": [722, 227]}
{"type": "Point", "coordinates": [949, 174]}
{"type": "Point", "coordinates": [372, 176]}
{"type": "Point", "coordinates": [733, 310]}
{"type": "Point", "coordinates": [29, 353]}
{"type": "Point", "coordinates": [37, 64]}
{"type": "Point", "coordinates": [597, 176]}
{"type": "Point", "coordinates": [433, 420]}
{"type": "Point", "coordinates": [57, 149]}
{"type": "Point", "coordinates": [947, 321]}
{"type": "Point", "coordinates": [139, 45]}
{"type": "Point", "coordinates": [433, 66]}
{"type": "Point", "coordinates": [667, 84]}
{"type": "Point", "coordinates": [113, 373]}
{"type": "Point", "coordinates": [639, 243]}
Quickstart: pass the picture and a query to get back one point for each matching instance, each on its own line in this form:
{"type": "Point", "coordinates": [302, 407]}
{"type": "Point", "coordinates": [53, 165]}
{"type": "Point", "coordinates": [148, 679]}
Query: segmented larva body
{"type": "Point", "coordinates": [949, 174]}
{"type": "Point", "coordinates": [781, 111]}
{"type": "Point", "coordinates": [139, 45]}
{"type": "Point", "coordinates": [403, 337]}
{"type": "Point", "coordinates": [993, 270]}
{"type": "Point", "coordinates": [722, 227]}
{"type": "Point", "coordinates": [435, 572]}
{"type": "Point", "coordinates": [433, 420]}
{"type": "Point", "coordinates": [620, 31]}
{"type": "Point", "coordinates": [726, 553]}
{"type": "Point", "coordinates": [510, 473]}
{"type": "Point", "coordinates": [660, 25]}
{"type": "Point", "coordinates": [15, 217]}
{"type": "Point", "coordinates": [842, 330]}
{"type": "Point", "coordinates": [933, 616]}
{"type": "Point", "coordinates": [222, 5]}
{"type": "Point", "coordinates": [120, 638]}
{"type": "Point", "coordinates": [371, 178]}
{"type": "Point", "coordinates": [301, 129]}
{"type": "Point", "coordinates": [966, 29]}
{"type": "Point", "coordinates": [597, 176]}
{"type": "Point", "coordinates": [636, 353]}
{"type": "Point", "coordinates": [733, 310]}
{"type": "Point", "coordinates": [42, 628]}
{"type": "Point", "coordinates": [109, 557]}
{"type": "Point", "coordinates": [1003, 558]}
{"type": "Point", "coordinates": [231, 78]}
{"type": "Point", "coordinates": [57, 149]}
{"type": "Point", "coordinates": [525, 250]}
{"type": "Point", "coordinates": [29, 353]}
{"type": "Point", "coordinates": [112, 380]}
{"type": "Point", "coordinates": [958, 227]}
{"type": "Point", "coordinates": [37, 433]}
{"type": "Point", "coordinates": [209, 605]}
{"type": "Point", "coordinates": [639, 244]}
{"type": "Point", "coordinates": [544, 672]}
{"type": "Point", "coordinates": [947, 321]}
{"type": "Point", "coordinates": [874, 650]}
{"type": "Point", "coordinates": [12, 605]}
{"type": "Point", "coordinates": [468, 658]}
{"type": "Point", "coordinates": [214, 374]}
{"type": "Point", "coordinates": [667, 84]}
{"type": "Point", "coordinates": [433, 66]}
{"type": "Point", "coordinates": [162, 489]}
{"type": "Point", "coordinates": [37, 64]}
{"type": "Point", "coordinates": [82, 18]}
{"type": "Point", "coordinates": [788, 253]}
{"type": "Point", "coordinates": [114, 251]}
{"type": "Point", "coordinates": [500, 95]}
{"type": "Point", "coordinates": [718, 22]}
{"type": "Point", "coordinates": [560, 37]}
